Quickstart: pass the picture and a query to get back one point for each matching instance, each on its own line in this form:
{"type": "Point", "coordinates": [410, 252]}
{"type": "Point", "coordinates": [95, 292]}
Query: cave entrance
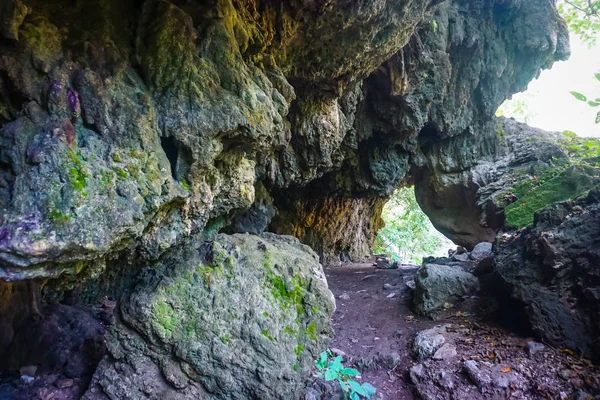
{"type": "Point", "coordinates": [408, 235]}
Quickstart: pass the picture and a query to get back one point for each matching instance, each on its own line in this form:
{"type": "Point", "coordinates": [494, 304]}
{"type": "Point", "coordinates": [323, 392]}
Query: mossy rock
{"type": "Point", "coordinates": [240, 307]}
{"type": "Point", "coordinates": [571, 183]}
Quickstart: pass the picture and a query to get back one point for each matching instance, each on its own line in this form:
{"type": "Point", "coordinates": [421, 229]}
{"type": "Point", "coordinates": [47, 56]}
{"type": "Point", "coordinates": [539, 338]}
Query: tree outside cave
{"type": "Point", "coordinates": [408, 235]}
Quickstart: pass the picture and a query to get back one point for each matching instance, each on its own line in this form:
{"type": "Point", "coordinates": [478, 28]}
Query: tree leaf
{"type": "Point", "coordinates": [322, 361]}
{"type": "Point", "coordinates": [597, 75]}
{"type": "Point", "coordinates": [356, 387]}
{"type": "Point", "coordinates": [349, 372]}
{"type": "Point", "coordinates": [370, 389]}
{"type": "Point", "coordinates": [578, 96]}
{"type": "Point", "coordinates": [593, 104]}
{"type": "Point", "coordinates": [598, 118]}
{"type": "Point", "coordinates": [330, 375]}
{"type": "Point", "coordinates": [343, 385]}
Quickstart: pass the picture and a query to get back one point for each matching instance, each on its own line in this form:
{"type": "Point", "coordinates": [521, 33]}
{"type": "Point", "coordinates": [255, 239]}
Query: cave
{"type": "Point", "coordinates": [190, 193]}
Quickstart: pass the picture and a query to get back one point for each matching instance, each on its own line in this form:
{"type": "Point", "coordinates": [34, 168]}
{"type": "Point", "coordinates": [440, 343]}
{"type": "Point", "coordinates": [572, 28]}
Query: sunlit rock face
{"type": "Point", "coordinates": [127, 128]}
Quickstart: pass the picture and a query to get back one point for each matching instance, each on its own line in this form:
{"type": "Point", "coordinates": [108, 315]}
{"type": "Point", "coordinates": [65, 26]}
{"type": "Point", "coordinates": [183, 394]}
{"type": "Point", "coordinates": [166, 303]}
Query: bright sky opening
{"type": "Point", "coordinates": [547, 102]}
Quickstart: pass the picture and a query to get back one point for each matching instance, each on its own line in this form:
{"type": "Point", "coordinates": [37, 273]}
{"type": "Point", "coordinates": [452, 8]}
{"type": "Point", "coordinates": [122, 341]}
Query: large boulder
{"type": "Point", "coordinates": [551, 270]}
{"type": "Point", "coordinates": [242, 317]}
{"type": "Point", "coordinates": [518, 172]}
{"type": "Point", "coordinates": [436, 285]}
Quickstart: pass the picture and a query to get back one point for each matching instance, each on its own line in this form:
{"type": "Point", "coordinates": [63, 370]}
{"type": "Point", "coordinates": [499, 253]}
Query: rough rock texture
{"type": "Point", "coordinates": [551, 269]}
{"type": "Point", "coordinates": [128, 127]}
{"type": "Point", "coordinates": [437, 285]}
{"type": "Point", "coordinates": [265, 317]}
{"type": "Point", "coordinates": [427, 111]}
{"type": "Point", "coordinates": [428, 341]}
{"type": "Point", "coordinates": [146, 122]}
{"type": "Point", "coordinates": [519, 174]}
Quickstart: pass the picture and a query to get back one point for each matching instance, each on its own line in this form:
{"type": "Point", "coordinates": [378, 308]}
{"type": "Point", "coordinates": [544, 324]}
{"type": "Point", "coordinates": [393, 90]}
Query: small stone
{"type": "Point", "coordinates": [582, 395]}
{"type": "Point", "coordinates": [566, 374]}
{"type": "Point", "coordinates": [64, 383]}
{"type": "Point", "coordinates": [481, 251]}
{"type": "Point", "coordinates": [344, 296]}
{"type": "Point", "coordinates": [354, 340]}
{"type": "Point", "coordinates": [385, 263]}
{"type": "Point", "coordinates": [417, 373]}
{"type": "Point", "coordinates": [475, 374]}
{"type": "Point", "coordinates": [389, 296]}
{"type": "Point", "coordinates": [534, 347]}
{"type": "Point", "coordinates": [410, 284]}
{"type": "Point", "coordinates": [388, 286]}
{"type": "Point", "coordinates": [376, 338]}
{"type": "Point", "coordinates": [446, 352]}
{"type": "Point", "coordinates": [338, 352]}
{"type": "Point", "coordinates": [445, 380]}
{"type": "Point", "coordinates": [28, 370]}
{"type": "Point", "coordinates": [399, 333]}
{"type": "Point", "coordinates": [26, 379]}
{"type": "Point", "coordinates": [312, 394]}
{"type": "Point", "coordinates": [461, 257]}
{"type": "Point", "coordinates": [428, 341]}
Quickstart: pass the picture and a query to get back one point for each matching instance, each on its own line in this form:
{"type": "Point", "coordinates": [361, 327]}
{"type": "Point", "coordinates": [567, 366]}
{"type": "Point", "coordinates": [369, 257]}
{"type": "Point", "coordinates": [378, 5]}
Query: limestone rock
{"type": "Point", "coordinates": [548, 270]}
{"type": "Point", "coordinates": [446, 352]}
{"type": "Point", "coordinates": [481, 251]}
{"type": "Point", "coordinates": [216, 326]}
{"type": "Point", "coordinates": [436, 285]}
{"type": "Point", "coordinates": [428, 341]}
{"type": "Point", "coordinates": [385, 262]}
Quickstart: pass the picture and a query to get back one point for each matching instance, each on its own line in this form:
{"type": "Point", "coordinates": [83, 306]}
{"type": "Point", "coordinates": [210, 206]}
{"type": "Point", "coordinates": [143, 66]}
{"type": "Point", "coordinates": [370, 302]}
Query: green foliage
{"type": "Point", "coordinates": [408, 235]}
{"type": "Point", "coordinates": [331, 369]}
{"type": "Point", "coordinates": [515, 108]}
{"type": "Point", "coordinates": [583, 18]}
{"type": "Point", "coordinates": [592, 103]}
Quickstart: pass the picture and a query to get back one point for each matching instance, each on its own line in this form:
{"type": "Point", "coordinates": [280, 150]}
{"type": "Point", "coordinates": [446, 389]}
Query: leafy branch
{"type": "Point", "coordinates": [592, 103]}
{"type": "Point", "coordinates": [332, 369]}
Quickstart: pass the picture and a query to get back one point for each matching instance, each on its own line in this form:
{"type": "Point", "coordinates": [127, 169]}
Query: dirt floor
{"type": "Point", "coordinates": [375, 328]}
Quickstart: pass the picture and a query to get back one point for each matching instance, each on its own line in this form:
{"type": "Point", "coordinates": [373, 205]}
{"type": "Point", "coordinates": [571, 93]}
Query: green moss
{"type": "Point", "coordinates": [107, 178]}
{"type": "Point", "coordinates": [289, 330]}
{"type": "Point", "coordinates": [121, 173]}
{"type": "Point", "coordinates": [225, 339]}
{"type": "Point", "coordinates": [571, 183]}
{"type": "Point", "coordinates": [266, 334]}
{"type": "Point", "coordinates": [500, 133]}
{"type": "Point", "coordinates": [77, 174]}
{"type": "Point", "coordinates": [166, 321]}
{"type": "Point", "coordinates": [59, 217]}
{"type": "Point", "coordinates": [311, 331]}
{"type": "Point", "coordinates": [298, 350]}
{"type": "Point", "coordinates": [184, 184]}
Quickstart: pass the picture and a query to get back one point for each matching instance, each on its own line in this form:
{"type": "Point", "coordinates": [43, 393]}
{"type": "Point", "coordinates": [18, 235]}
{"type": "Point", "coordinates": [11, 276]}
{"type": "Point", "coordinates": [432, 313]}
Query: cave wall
{"type": "Point", "coordinates": [128, 128]}
{"type": "Point", "coordinates": [428, 112]}
{"type": "Point", "coordinates": [141, 122]}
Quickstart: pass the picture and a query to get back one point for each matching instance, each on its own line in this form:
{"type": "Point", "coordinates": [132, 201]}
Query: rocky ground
{"type": "Point", "coordinates": [464, 353]}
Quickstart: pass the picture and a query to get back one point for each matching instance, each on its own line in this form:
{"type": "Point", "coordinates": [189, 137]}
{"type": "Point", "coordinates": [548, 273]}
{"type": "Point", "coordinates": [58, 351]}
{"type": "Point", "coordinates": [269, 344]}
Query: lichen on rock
{"type": "Point", "coordinates": [242, 317]}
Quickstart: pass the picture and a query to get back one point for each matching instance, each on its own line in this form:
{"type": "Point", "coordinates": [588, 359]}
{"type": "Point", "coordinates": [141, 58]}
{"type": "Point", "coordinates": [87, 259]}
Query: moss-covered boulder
{"type": "Point", "coordinates": [242, 317]}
